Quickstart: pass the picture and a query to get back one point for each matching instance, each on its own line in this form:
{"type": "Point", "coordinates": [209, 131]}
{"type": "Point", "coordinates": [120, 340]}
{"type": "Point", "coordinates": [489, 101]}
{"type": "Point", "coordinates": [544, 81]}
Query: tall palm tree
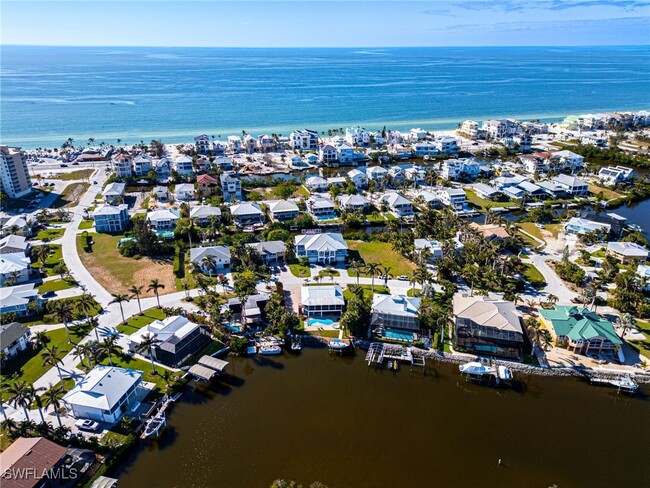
{"type": "Point", "coordinates": [63, 311]}
{"type": "Point", "coordinates": [209, 263]}
{"type": "Point", "coordinates": [43, 253]}
{"type": "Point", "coordinates": [80, 351]}
{"type": "Point", "coordinates": [38, 400]}
{"type": "Point", "coordinates": [356, 267]}
{"type": "Point", "coordinates": [154, 286]}
{"type": "Point", "coordinates": [52, 398]}
{"type": "Point", "coordinates": [119, 298]}
{"type": "Point", "coordinates": [147, 344]}
{"type": "Point", "coordinates": [86, 303]}
{"type": "Point", "coordinates": [136, 291]}
{"type": "Point", "coordinates": [385, 270]}
{"type": "Point", "coordinates": [223, 281]}
{"type": "Point", "coordinates": [51, 357]}
{"type": "Point", "coordinates": [21, 396]}
{"type": "Point", "coordinates": [41, 339]}
{"type": "Point", "coordinates": [372, 269]}
{"type": "Point", "coordinates": [110, 347]}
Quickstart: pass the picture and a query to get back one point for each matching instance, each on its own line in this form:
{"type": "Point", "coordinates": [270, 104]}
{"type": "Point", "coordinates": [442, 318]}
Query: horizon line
{"type": "Point", "coordinates": [329, 47]}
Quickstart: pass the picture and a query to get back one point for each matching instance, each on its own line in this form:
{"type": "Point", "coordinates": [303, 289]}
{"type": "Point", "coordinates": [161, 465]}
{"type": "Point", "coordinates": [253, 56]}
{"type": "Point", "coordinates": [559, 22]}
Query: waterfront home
{"type": "Point", "coordinates": [231, 186]}
{"type": "Point", "coordinates": [15, 268]}
{"type": "Point", "coordinates": [571, 184]}
{"type": "Point", "coordinates": [498, 129]}
{"type": "Point", "coordinates": [17, 299]}
{"type": "Point", "coordinates": [184, 165]}
{"type": "Point", "coordinates": [211, 260]}
{"type": "Point", "coordinates": [396, 175]}
{"type": "Point", "coordinates": [106, 393]}
{"type": "Point", "coordinates": [487, 325]}
{"type": "Point", "coordinates": [179, 339]}
{"type": "Point", "coordinates": [142, 165]}
{"type": "Point", "coordinates": [111, 218]}
{"type": "Point", "coordinates": [249, 144]}
{"type": "Point", "coordinates": [580, 330]}
{"type": "Point", "coordinates": [163, 220]}
{"type": "Point", "coordinates": [532, 190]}
{"type": "Point", "coordinates": [425, 149]}
{"type": "Point", "coordinates": [345, 153]}
{"type": "Point", "coordinates": [627, 251]}
{"type": "Point", "coordinates": [615, 221]}
{"type": "Point", "coordinates": [534, 163]}
{"type": "Point", "coordinates": [399, 206]}
{"type": "Point", "coordinates": [35, 462]}
{"type": "Point", "coordinates": [327, 154]}
{"type": "Point", "coordinates": [416, 134]}
{"type": "Point", "coordinates": [321, 208]}
{"type": "Point", "coordinates": [432, 199]}
{"type": "Point", "coordinates": [486, 192]}
{"type": "Point", "coordinates": [567, 160]}
{"type": "Point", "coordinates": [283, 210]}
{"type": "Point", "coordinates": [491, 232]}
{"type": "Point", "coordinates": [359, 178]}
{"type": "Point", "coordinates": [643, 272]}
{"type": "Point", "coordinates": [207, 185]}
{"type": "Point", "coordinates": [270, 251]}
{"type": "Point", "coordinates": [577, 225]}
{"type": "Point", "coordinates": [203, 164]}
{"type": "Point", "coordinates": [163, 169]}
{"type": "Point", "coordinates": [551, 189]}
{"type": "Point", "coordinates": [160, 193]}
{"type": "Point", "coordinates": [322, 301]}
{"type": "Point", "coordinates": [122, 166]}
{"type": "Point", "coordinates": [612, 175]}
{"type": "Point", "coordinates": [377, 173]}
{"type": "Point", "coordinates": [455, 169]}
{"type": "Point", "coordinates": [247, 213]}
{"type": "Point", "coordinates": [202, 144]}
{"type": "Point", "coordinates": [502, 182]}
{"type": "Point", "coordinates": [312, 159]}
{"type": "Point", "coordinates": [327, 248]}
{"type": "Point", "coordinates": [513, 192]}
{"type": "Point", "coordinates": [304, 140]}
{"type": "Point", "coordinates": [184, 192]}
{"type": "Point", "coordinates": [339, 181]}
{"type": "Point", "coordinates": [432, 248]}
{"type": "Point", "coordinates": [395, 312]}
{"type": "Point", "coordinates": [297, 162]}
{"type": "Point", "coordinates": [223, 163]}
{"type": "Point", "coordinates": [205, 214]}
{"type": "Point", "coordinates": [593, 140]}
{"type": "Point", "coordinates": [316, 184]}
{"type": "Point", "coordinates": [353, 203]}
{"type": "Point", "coordinates": [266, 143]}
{"type": "Point", "coordinates": [356, 136]}
{"type": "Point", "coordinates": [415, 174]}
{"type": "Point", "coordinates": [469, 129]}
{"type": "Point", "coordinates": [234, 144]}
{"type": "Point", "coordinates": [453, 197]}
{"type": "Point", "coordinates": [12, 244]}
{"type": "Point", "coordinates": [253, 311]}
{"type": "Point", "coordinates": [14, 337]}
{"type": "Point", "coordinates": [114, 193]}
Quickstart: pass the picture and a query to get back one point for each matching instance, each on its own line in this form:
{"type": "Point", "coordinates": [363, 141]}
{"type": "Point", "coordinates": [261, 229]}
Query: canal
{"type": "Point", "coordinates": [316, 417]}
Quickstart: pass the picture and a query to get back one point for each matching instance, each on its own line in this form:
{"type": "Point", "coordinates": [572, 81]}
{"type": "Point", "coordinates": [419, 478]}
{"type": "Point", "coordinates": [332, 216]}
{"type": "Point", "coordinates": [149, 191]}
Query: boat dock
{"type": "Point", "coordinates": [379, 355]}
{"type": "Point", "coordinates": [338, 345]}
{"type": "Point", "coordinates": [155, 424]}
{"type": "Point", "coordinates": [625, 384]}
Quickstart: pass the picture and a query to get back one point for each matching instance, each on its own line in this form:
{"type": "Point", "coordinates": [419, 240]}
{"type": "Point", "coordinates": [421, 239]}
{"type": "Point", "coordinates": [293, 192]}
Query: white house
{"type": "Point", "coordinates": [322, 301]}
{"type": "Point", "coordinates": [344, 153]}
{"type": "Point", "coordinates": [486, 192]}
{"type": "Point", "coordinates": [204, 214]}
{"type": "Point", "coordinates": [185, 191]}
{"type": "Point", "coordinates": [270, 251]}
{"type": "Point", "coordinates": [163, 169]}
{"type": "Point", "coordinates": [160, 193]}
{"type": "Point", "coordinates": [17, 298]}
{"type": "Point", "coordinates": [14, 337]}
{"type": "Point", "coordinates": [571, 184]}
{"type": "Point", "coordinates": [395, 312]}
{"type": "Point", "coordinates": [266, 143]}
{"type": "Point", "coordinates": [114, 193]}
{"type": "Point", "coordinates": [122, 166]}
{"type": "Point", "coordinates": [304, 140]}
{"type": "Point", "coordinates": [469, 129]}
{"type": "Point", "coordinates": [353, 203]}
{"type": "Point", "coordinates": [568, 160]}
{"type": "Point", "coordinates": [249, 143]}
{"type": "Point", "coordinates": [163, 220]}
{"type": "Point", "coordinates": [202, 144]}
{"type": "Point", "coordinates": [359, 178]}
{"type": "Point", "coordinates": [111, 218]}
{"type": "Point", "coordinates": [106, 393]}
{"type": "Point", "coordinates": [283, 210]}
{"type": "Point", "coordinates": [247, 213]}
{"type": "Point", "coordinates": [627, 251]}
{"type": "Point", "coordinates": [327, 154]}
{"type": "Point", "coordinates": [327, 248]}
{"type": "Point", "coordinates": [230, 186]}
{"type": "Point", "coordinates": [14, 244]}
{"type": "Point", "coordinates": [433, 247]}
{"type": "Point", "coordinates": [453, 197]}
{"type": "Point", "coordinates": [577, 225]}
{"type": "Point", "coordinates": [184, 165]}
{"type": "Point", "coordinates": [142, 165]}
{"type": "Point", "coordinates": [398, 204]}
{"type": "Point", "coordinates": [357, 136]}
{"type": "Point", "coordinates": [376, 173]}
{"type": "Point", "coordinates": [611, 175]}
{"type": "Point", "coordinates": [321, 208]}
{"type": "Point", "coordinates": [234, 144]}
{"type": "Point", "coordinates": [454, 169]}
{"type": "Point", "coordinates": [219, 255]}
{"type": "Point", "coordinates": [316, 184]}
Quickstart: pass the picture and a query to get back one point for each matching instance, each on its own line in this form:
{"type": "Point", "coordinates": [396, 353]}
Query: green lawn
{"type": "Point", "coordinates": [482, 203]}
{"type": "Point", "coordinates": [607, 193]}
{"type": "Point", "coordinates": [643, 346]}
{"type": "Point", "coordinates": [300, 271]}
{"type": "Point", "coordinates": [329, 272]}
{"type": "Point", "coordinates": [50, 234]}
{"type": "Point", "coordinates": [56, 285]}
{"type": "Point", "coordinates": [136, 322]}
{"type": "Point", "coordinates": [375, 218]}
{"type": "Point", "coordinates": [334, 334]}
{"type": "Point", "coordinates": [49, 318]}
{"type": "Point", "coordinates": [554, 229]}
{"type": "Point", "coordinates": [532, 229]}
{"type": "Point", "coordinates": [130, 362]}
{"type": "Point", "coordinates": [71, 195]}
{"type": "Point", "coordinates": [55, 258]}
{"type": "Point", "coordinates": [28, 366]}
{"type": "Point", "coordinates": [367, 290]}
{"type": "Point", "coordinates": [533, 276]}
{"type": "Point", "coordinates": [80, 174]}
{"type": "Point", "coordinates": [379, 252]}
{"type": "Point", "coordinates": [86, 224]}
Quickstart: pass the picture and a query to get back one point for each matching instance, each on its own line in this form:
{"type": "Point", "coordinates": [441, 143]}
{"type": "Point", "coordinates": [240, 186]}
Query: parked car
{"type": "Point", "coordinates": [64, 165]}
{"type": "Point", "coordinates": [48, 294]}
{"type": "Point", "coordinates": [403, 278]}
{"type": "Point", "coordinates": [86, 424]}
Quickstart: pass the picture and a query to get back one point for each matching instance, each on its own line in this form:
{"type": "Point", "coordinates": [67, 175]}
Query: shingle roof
{"type": "Point", "coordinates": [488, 312]}
{"type": "Point", "coordinates": [32, 456]}
{"type": "Point", "coordinates": [396, 305]}
{"type": "Point", "coordinates": [10, 333]}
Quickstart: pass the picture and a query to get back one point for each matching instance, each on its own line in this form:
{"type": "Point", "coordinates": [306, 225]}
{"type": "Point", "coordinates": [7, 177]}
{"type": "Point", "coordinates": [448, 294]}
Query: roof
{"type": "Point", "coordinates": [110, 209]}
{"type": "Point", "coordinates": [354, 200]}
{"type": "Point", "coordinates": [377, 170]}
{"type": "Point", "coordinates": [114, 189]}
{"type": "Point", "coordinates": [487, 189]}
{"type": "Point", "coordinates": [322, 295]}
{"type": "Point", "coordinates": [315, 181]}
{"type": "Point", "coordinates": [268, 247]}
{"type": "Point", "coordinates": [220, 252]}
{"type": "Point", "coordinates": [587, 225]}
{"type": "Point", "coordinates": [579, 323]}
{"type": "Point", "coordinates": [327, 241]}
{"type": "Point", "coordinates": [629, 249]}
{"type": "Point", "coordinates": [184, 187]}
{"type": "Point", "coordinates": [433, 246]}
{"type": "Point", "coordinates": [490, 231]}
{"type": "Point", "coordinates": [245, 208]}
{"type": "Point", "coordinates": [163, 214]}
{"type": "Point", "coordinates": [171, 329]}
{"type": "Point", "coordinates": [396, 305]}
{"type": "Point", "coordinates": [13, 242]}
{"type": "Point", "coordinates": [282, 206]}
{"type": "Point", "coordinates": [569, 180]}
{"type": "Point", "coordinates": [320, 202]}
{"type": "Point", "coordinates": [205, 211]}
{"type": "Point", "coordinates": [10, 333]}
{"type": "Point", "coordinates": [11, 296]}
{"type": "Point", "coordinates": [394, 199]}
{"type": "Point", "coordinates": [454, 192]}
{"type": "Point", "coordinates": [206, 179]}
{"type": "Point", "coordinates": [32, 456]}
{"type": "Point", "coordinates": [202, 372]}
{"type": "Point", "coordinates": [488, 312]}
{"type": "Point", "coordinates": [103, 387]}
{"type": "Point", "coordinates": [213, 363]}
{"type": "Point", "coordinates": [16, 261]}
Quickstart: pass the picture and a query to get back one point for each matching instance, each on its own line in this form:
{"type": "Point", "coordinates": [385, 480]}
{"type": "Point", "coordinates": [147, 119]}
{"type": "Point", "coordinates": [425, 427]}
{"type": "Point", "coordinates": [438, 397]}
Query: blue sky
{"type": "Point", "coordinates": [330, 23]}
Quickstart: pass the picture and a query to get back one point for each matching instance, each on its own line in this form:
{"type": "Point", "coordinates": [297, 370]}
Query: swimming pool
{"type": "Point", "coordinates": [320, 322]}
{"type": "Point", "coordinates": [233, 327]}
{"type": "Point", "coordinates": [398, 335]}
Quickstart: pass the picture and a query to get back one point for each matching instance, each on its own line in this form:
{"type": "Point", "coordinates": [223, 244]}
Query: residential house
{"type": "Point", "coordinates": [266, 143]}
{"type": "Point", "coordinates": [231, 186]}
{"type": "Point", "coordinates": [249, 144]}
{"type": "Point", "coordinates": [415, 174]}
{"type": "Point", "coordinates": [312, 159]}
{"type": "Point", "coordinates": [504, 181]}
{"type": "Point", "coordinates": [326, 248]}
{"type": "Point", "coordinates": [19, 224]}
{"type": "Point", "coordinates": [491, 232]}
{"type": "Point", "coordinates": [184, 166]}
{"type": "Point", "coordinates": [223, 163]}
{"type": "Point", "coordinates": [453, 197]}
{"type": "Point", "coordinates": [321, 208]}
{"type": "Point", "coordinates": [142, 165]}
{"type": "Point", "coordinates": [122, 166]}
{"type": "Point", "coordinates": [322, 301]}
{"type": "Point", "coordinates": [15, 267]}
{"type": "Point", "coordinates": [359, 178]}
{"type": "Point", "coordinates": [486, 192]}
{"type": "Point", "coordinates": [571, 184]}
{"type": "Point", "coordinates": [469, 129]}
{"type": "Point", "coordinates": [353, 203]}
{"type": "Point", "coordinates": [580, 330]}
{"type": "Point", "coordinates": [447, 145]}
{"type": "Point", "coordinates": [432, 248]}
{"type": "Point", "coordinates": [35, 462]}
{"type": "Point", "coordinates": [15, 244]}
{"type": "Point", "coordinates": [486, 325]}
{"type": "Point", "coordinates": [396, 176]}
{"type": "Point", "coordinates": [247, 213]}
{"type": "Point", "coordinates": [163, 220]}
{"type": "Point", "coordinates": [513, 192]}
{"type": "Point", "coordinates": [253, 311]}
{"type": "Point", "coordinates": [327, 154]}
{"type": "Point", "coordinates": [356, 136]}
{"type": "Point", "coordinates": [111, 218]}
{"type": "Point", "coordinates": [551, 189]}
{"type": "Point", "coordinates": [339, 181]}
{"type": "Point", "coordinates": [163, 169]}
{"type": "Point", "coordinates": [234, 144]}
{"type": "Point", "coordinates": [106, 393]}
{"type": "Point", "coordinates": [455, 169]}
{"type": "Point", "coordinates": [398, 204]}
{"type": "Point", "coordinates": [613, 175]}
{"type": "Point", "coordinates": [207, 185]}
{"type": "Point", "coordinates": [593, 140]}
{"type": "Point", "coordinates": [203, 164]}
{"type": "Point", "coordinates": [627, 251]}
{"type": "Point", "coordinates": [114, 193]}
{"type": "Point", "coordinates": [498, 129]}
{"type": "Point", "coordinates": [14, 337]}
{"type": "Point", "coordinates": [345, 154]}
{"type": "Point", "coordinates": [643, 272]}
{"type": "Point", "coordinates": [219, 256]}
{"type": "Point", "coordinates": [534, 163]}
{"type": "Point", "coordinates": [532, 190]}
{"type": "Point", "coordinates": [17, 299]}
{"type": "Point", "coordinates": [160, 193]}
{"type": "Point", "coordinates": [398, 312]}
{"type": "Point", "coordinates": [185, 192]}
{"type": "Point", "coordinates": [377, 173]}
{"type": "Point", "coordinates": [432, 199]}
{"type": "Point", "coordinates": [425, 149]}
{"type": "Point", "coordinates": [283, 210]}
{"type": "Point", "coordinates": [567, 160]}
{"type": "Point", "coordinates": [205, 214]}
{"type": "Point", "coordinates": [316, 184]}
{"type": "Point", "coordinates": [202, 144]}
{"type": "Point", "coordinates": [577, 225]}
{"type": "Point", "coordinates": [304, 140]}
{"type": "Point", "coordinates": [270, 251]}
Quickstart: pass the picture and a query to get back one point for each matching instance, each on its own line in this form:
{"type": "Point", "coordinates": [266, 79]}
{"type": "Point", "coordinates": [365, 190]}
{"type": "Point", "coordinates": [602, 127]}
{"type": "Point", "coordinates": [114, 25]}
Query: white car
{"type": "Point", "coordinates": [403, 278]}
{"type": "Point", "coordinates": [87, 424]}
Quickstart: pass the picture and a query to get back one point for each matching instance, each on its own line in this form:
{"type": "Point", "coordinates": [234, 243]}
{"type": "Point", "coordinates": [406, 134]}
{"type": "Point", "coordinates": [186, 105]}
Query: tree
{"type": "Point", "coordinates": [51, 357]}
{"type": "Point", "coordinates": [356, 316]}
{"type": "Point", "coordinates": [627, 322]}
{"type": "Point", "coordinates": [372, 269]}
{"type": "Point", "coordinates": [136, 291]}
{"type": "Point", "coordinates": [21, 395]}
{"type": "Point", "coordinates": [357, 267]}
{"type": "Point", "coordinates": [43, 253]}
{"type": "Point", "coordinates": [385, 271]}
{"type": "Point", "coordinates": [38, 400]}
{"type": "Point", "coordinates": [154, 286]}
{"type": "Point", "coordinates": [86, 303]}
{"type": "Point", "coordinates": [147, 344]}
{"type": "Point", "coordinates": [41, 339]}
{"type": "Point", "coordinates": [210, 263]}
{"type": "Point", "coordinates": [79, 352]}
{"type": "Point", "coordinates": [110, 347]}
{"type": "Point", "coordinates": [63, 311]}
{"type": "Point", "coordinates": [52, 398]}
{"type": "Point", "coordinates": [119, 298]}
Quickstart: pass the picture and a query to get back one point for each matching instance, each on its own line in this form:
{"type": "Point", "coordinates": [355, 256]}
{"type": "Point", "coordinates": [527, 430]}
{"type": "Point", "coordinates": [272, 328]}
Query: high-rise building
{"type": "Point", "coordinates": [15, 180]}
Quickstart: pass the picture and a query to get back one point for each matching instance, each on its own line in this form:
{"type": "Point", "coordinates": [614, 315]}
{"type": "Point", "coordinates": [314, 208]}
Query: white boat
{"type": "Point", "coordinates": [269, 350]}
{"type": "Point", "coordinates": [338, 344]}
{"type": "Point", "coordinates": [626, 383]}
{"type": "Point", "coordinates": [475, 368]}
{"type": "Point", "coordinates": [504, 373]}
{"type": "Point", "coordinates": [154, 425]}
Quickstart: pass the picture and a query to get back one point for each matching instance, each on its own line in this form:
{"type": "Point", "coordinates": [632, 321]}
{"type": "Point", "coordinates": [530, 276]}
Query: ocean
{"type": "Point", "coordinates": [48, 94]}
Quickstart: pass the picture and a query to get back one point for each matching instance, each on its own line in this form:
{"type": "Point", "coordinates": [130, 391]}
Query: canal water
{"type": "Point", "coordinates": [317, 417]}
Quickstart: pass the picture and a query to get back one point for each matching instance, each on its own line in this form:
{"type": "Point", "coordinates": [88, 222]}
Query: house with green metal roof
{"type": "Point", "coordinates": [580, 330]}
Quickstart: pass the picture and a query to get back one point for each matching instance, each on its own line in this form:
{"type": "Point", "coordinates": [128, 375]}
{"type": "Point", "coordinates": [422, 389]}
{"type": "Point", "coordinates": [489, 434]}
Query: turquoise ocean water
{"type": "Point", "coordinates": [49, 94]}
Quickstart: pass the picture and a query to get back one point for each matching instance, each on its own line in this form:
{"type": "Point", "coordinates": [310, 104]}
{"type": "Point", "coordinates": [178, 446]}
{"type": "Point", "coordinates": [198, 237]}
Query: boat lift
{"type": "Point", "coordinates": [378, 353]}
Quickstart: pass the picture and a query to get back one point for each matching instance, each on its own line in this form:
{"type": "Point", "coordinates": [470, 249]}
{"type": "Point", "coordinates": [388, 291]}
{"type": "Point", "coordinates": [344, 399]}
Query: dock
{"type": "Point", "coordinates": [379, 355]}
{"type": "Point", "coordinates": [155, 424]}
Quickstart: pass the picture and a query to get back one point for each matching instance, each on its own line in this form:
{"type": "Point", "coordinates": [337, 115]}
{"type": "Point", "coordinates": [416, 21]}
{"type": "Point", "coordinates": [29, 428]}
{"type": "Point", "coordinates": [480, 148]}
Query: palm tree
{"type": "Point", "coordinates": [63, 311]}
{"type": "Point", "coordinates": [21, 395]}
{"type": "Point", "coordinates": [385, 270]}
{"type": "Point", "coordinates": [148, 342]}
{"type": "Point", "coordinates": [110, 347]}
{"type": "Point", "coordinates": [52, 398]}
{"type": "Point", "coordinates": [136, 291]}
{"type": "Point", "coordinates": [41, 339]}
{"type": "Point", "coordinates": [209, 263]}
{"type": "Point", "coordinates": [37, 399]}
{"type": "Point", "coordinates": [552, 300]}
{"type": "Point", "coordinates": [356, 267]}
{"type": "Point", "coordinates": [372, 269]}
{"type": "Point", "coordinates": [154, 286]}
{"type": "Point", "coordinates": [86, 303]}
{"type": "Point", "coordinates": [43, 253]}
{"type": "Point", "coordinates": [51, 357]}
{"type": "Point", "coordinates": [223, 281]}
{"type": "Point", "coordinates": [413, 279]}
{"type": "Point", "coordinates": [80, 351]}
{"type": "Point", "coordinates": [119, 298]}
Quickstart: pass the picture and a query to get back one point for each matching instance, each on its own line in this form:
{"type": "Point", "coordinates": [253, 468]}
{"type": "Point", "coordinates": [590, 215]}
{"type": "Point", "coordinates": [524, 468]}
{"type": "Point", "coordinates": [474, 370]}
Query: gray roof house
{"type": "Point", "coordinates": [395, 312]}
{"type": "Point", "coordinates": [270, 251]}
{"type": "Point", "coordinates": [319, 301]}
{"type": "Point", "coordinates": [14, 337]}
{"type": "Point", "coordinates": [220, 256]}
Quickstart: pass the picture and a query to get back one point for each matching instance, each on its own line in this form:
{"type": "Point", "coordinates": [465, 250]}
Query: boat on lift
{"type": "Point", "coordinates": [269, 350]}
